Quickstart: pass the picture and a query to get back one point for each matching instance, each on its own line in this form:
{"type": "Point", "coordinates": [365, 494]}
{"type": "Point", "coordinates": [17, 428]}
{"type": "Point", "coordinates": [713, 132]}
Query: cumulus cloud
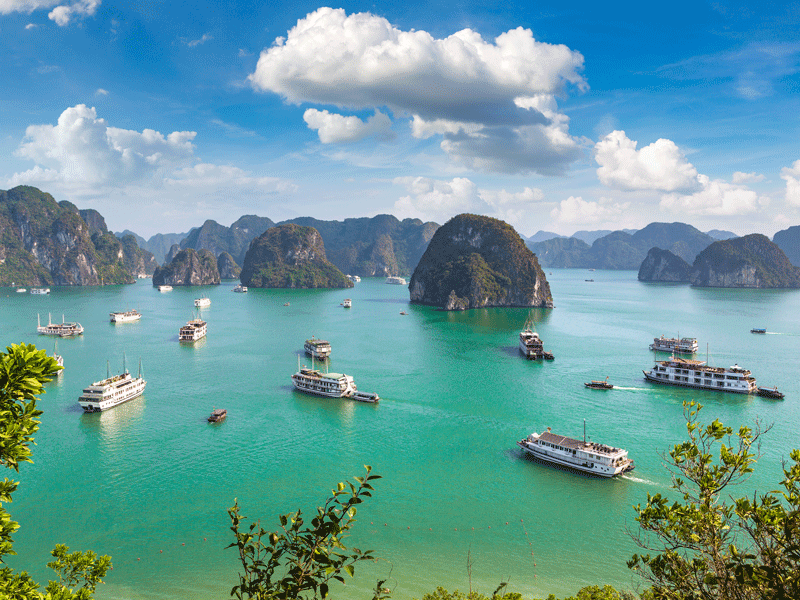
{"type": "Point", "coordinates": [741, 178]}
{"type": "Point", "coordinates": [439, 200]}
{"type": "Point", "coordinates": [334, 128]}
{"type": "Point", "coordinates": [83, 149]}
{"type": "Point", "coordinates": [661, 166]}
{"type": "Point", "coordinates": [31, 26]}
{"type": "Point", "coordinates": [715, 197]}
{"type": "Point", "coordinates": [791, 175]}
{"type": "Point", "coordinates": [101, 92]}
{"type": "Point", "coordinates": [62, 15]}
{"type": "Point", "coordinates": [577, 211]}
{"type": "Point", "coordinates": [24, 6]}
{"type": "Point", "coordinates": [493, 101]}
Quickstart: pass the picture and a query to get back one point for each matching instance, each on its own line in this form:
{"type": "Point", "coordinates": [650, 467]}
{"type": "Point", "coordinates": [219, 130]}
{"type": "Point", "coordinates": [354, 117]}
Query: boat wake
{"type": "Point", "coordinates": [632, 389]}
{"type": "Point", "coordinates": [779, 333]}
{"type": "Point", "coordinates": [630, 477]}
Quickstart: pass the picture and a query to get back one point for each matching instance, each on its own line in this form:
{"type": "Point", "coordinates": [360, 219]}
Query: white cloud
{"type": "Point", "coordinates": [62, 15]}
{"type": "Point", "coordinates": [101, 92]}
{"type": "Point", "coordinates": [715, 197]}
{"type": "Point", "coordinates": [84, 150]}
{"type": "Point", "coordinates": [660, 166]}
{"type": "Point", "coordinates": [577, 211]}
{"type": "Point", "coordinates": [741, 178]}
{"type": "Point", "coordinates": [31, 26]}
{"type": "Point", "coordinates": [24, 6]}
{"type": "Point", "coordinates": [792, 177]}
{"type": "Point", "coordinates": [193, 43]}
{"type": "Point", "coordinates": [209, 176]}
{"type": "Point", "coordinates": [492, 101]}
{"type": "Point", "coordinates": [334, 128]}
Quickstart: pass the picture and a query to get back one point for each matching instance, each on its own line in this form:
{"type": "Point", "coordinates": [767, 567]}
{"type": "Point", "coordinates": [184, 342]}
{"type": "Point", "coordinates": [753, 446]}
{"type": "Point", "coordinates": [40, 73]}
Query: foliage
{"type": "Point", "coordinates": [297, 560]}
{"type": "Point", "coordinates": [708, 548]}
{"type": "Point", "coordinates": [23, 371]}
{"type": "Point", "coordinates": [592, 592]}
{"type": "Point", "coordinates": [772, 268]}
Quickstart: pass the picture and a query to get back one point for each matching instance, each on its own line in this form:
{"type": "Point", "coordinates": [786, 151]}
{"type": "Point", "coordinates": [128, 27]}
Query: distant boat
{"type": "Point", "coordinates": [599, 385]}
{"type": "Point", "coordinates": [347, 303]}
{"type": "Point", "coordinates": [192, 331]}
{"type": "Point", "coordinates": [112, 391]}
{"type": "Point", "coordinates": [165, 288]}
{"type": "Point", "coordinates": [125, 317]}
{"type": "Point", "coordinates": [217, 415]}
{"type": "Point", "coordinates": [402, 312]}
{"type": "Point", "coordinates": [770, 393]}
{"type": "Point", "coordinates": [40, 291]}
{"type": "Point", "coordinates": [59, 360]}
{"type": "Point", "coordinates": [354, 278]}
{"type": "Point", "coordinates": [21, 290]}
{"type": "Point", "coordinates": [202, 302]}
{"type": "Point", "coordinates": [240, 288]}
{"type": "Point", "coordinates": [396, 280]}
{"type": "Point", "coordinates": [60, 329]}
{"type": "Point", "coordinates": [758, 330]}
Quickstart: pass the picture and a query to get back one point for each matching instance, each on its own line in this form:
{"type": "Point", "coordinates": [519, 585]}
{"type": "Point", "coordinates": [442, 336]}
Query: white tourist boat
{"type": "Point", "coordinates": [674, 345]}
{"type": "Point", "coordinates": [129, 316]}
{"type": "Point", "coordinates": [40, 291]}
{"type": "Point", "coordinates": [193, 330]}
{"type": "Point", "coordinates": [202, 302]}
{"type": "Point", "coordinates": [62, 329]}
{"type": "Point", "coordinates": [588, 457]}
{"type": "Point", "coordinates": [531, 346]}
{"type": "Point", "coordinates": [697, 374]}
{"type": "Point", "coordinates": [112, 391]}
{"type": "Point", "coordinates": [317, 349]}
{"type": "Point", "coordinates": [354, 278]}
{"type": "Point", "coordinates": [59, 360]}
{"type": "Point", "coordinates": [330, 385]}
{"type": "Point", "coordinates": [21, 290]}
{"type": "Point", "coordinates": [347, 303]}
{"type": "Point", "coordinates": [396, 280]}
{"type": "Point", "coordinates": [240, 288]}
{"type": "Point", "coordinates": [165, 288]}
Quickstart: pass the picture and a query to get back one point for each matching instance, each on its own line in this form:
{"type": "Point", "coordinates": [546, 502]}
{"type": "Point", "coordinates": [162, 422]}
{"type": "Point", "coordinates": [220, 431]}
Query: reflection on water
{"type": "Point", "coordinates": [112, 424]}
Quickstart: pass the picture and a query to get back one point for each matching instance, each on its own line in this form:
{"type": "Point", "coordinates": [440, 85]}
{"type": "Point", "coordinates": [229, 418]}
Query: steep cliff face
{"type": "Point", "coordinates": [234, 240]}
{"type": "Point", "coordinates": [290, 256]}
{"type": "Point", "coordinates": [474, 261]}
{"type": "Point", "coordinates": [172, 253]}
{"type": "Point", "coordinates": [189, 267]}
{"type": "Point", "coordinates": [663, 265]}
{"type": "Point", "coordinates": [788, 240]}
{"type": "Point", "coordinates": [228, 269]}
{"type": "Point", "coordinates": [94, 220]}
{"type": "Point", "coordinates": [139, 262]}
{"type": "Point", "coordinates": [751, 261]}
{"type": "Point", "coordinates": [48, 243]}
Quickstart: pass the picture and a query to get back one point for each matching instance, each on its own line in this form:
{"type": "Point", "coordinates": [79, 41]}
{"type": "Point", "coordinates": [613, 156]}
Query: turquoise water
{"type": "Point", "coordinates": [149, 482]}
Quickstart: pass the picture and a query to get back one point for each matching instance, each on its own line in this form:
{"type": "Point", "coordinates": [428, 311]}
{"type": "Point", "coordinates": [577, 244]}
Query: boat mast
{"type": "Point", "coordinates": [108, 370]}
{"type": "Point", "coordinates": [124, 367]}
{"type": "Point", "coordinates": [584, 432]}
{"type": "Point", "coordinates": [140, 368]}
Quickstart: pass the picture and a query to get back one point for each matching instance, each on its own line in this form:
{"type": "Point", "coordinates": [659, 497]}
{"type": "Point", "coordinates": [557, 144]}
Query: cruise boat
{"type": "Point", "coordinates": [202, 302]}
{"type": "Point", "coordinates": [330, 385]}
{"type": "Point", "coordinates": [129, 316]}
{"type": "Point", "coordinates": [165, 288]}
{"type": "Point", "coordinates": [396, 281]}
{"type": "Point", "coordinates": [21, 290]}
{"type": "Point", "coordinates": [696, 374]}
{"type": "Point", "coordinates": [60, 329]}
{"type": "Point", "coordinates": [674, 345]}
{"type": "Point", "coordinates": [192, 331]}
{"type": "Point", "coordinates": [240, 288]}
{"type": "Point", "coordinates": [758, 330]}
{"type": "Point", "coordinates": [112, 391]}
{"type": "Point", "coordinates": [347, 303]}
{"type": "Point", "coordinates": [588, 457]}
{"type": "Point", "coordinates": [317, 349]}
{"type": "Point", "coordinates": [354, 278]}
{"type": "Point", "coordinates": [40, 291]}
{"type": "Point", "coordinates": [531, 346]}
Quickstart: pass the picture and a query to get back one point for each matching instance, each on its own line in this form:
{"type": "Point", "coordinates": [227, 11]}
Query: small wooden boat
{"type": "Point", "coordinates": [402, 312]}
{"type": "Point", "coordinates": [599, 385]}
{"type": "Point", "coordinates": [772, 392]}
{"type": "Point", "coordinates": [548, 355]}
{"type": "Point", "coordinates": [365, 396]}
{"type": "Point", "coordinates": [217, 415]}
{"type": "Point", "coordinates": [758, 330]}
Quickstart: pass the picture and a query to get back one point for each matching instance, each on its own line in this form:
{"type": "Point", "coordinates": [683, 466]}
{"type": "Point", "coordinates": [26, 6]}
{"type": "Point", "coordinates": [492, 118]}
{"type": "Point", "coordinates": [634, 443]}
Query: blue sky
{"type": "Point", "coordinates": [551, 116]}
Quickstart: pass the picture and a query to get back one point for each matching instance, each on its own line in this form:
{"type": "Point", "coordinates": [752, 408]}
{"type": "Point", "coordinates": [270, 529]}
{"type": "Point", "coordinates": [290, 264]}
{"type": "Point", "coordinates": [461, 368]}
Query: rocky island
{"type": "Point", "coordinates": [664, 266]}
{"type": "Point", "coordinates": [751, 261]}
{"type": "Point", "coordinates": [228, 269]}
{"type": "Point", "coordinates": [290, 256]}
{"type": "Point", "coordinates": [474, 261]}
{"type": "Point", "coordinates": [189, 267]}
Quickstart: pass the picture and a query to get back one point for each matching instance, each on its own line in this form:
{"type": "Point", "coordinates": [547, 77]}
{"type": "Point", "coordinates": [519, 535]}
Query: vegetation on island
{"type": "Point", "coordinates": [663, 266]}
{"type": "Point", "coordinates": [475, 261]}
{"type": "Point", "coordinates": [189, 268]}
{"type": "Point", "coordinates": [751, 261]}
{"type": "Point", "coordinates": [290, 256]}
{"type": "Point", "coordinates": [788, 240]}
{"type": "Point", "coordinates": [23, 371]}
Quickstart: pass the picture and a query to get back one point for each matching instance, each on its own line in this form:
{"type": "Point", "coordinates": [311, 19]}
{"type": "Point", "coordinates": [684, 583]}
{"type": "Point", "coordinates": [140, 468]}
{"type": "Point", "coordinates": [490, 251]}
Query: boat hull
{"type": "Point", "coordinates": [584, 467]}
{"type": "Point", "coordinates": [697, 386]}
{"type": "Point", "coordinates": [101, 404]}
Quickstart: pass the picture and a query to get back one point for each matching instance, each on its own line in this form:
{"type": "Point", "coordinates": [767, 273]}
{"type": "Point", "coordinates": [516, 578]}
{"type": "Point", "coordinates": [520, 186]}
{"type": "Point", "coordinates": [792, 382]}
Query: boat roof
{"type": "Point", "coordinates": [572, 444]}
{"type": "Point", "coordinates": [316, 342]}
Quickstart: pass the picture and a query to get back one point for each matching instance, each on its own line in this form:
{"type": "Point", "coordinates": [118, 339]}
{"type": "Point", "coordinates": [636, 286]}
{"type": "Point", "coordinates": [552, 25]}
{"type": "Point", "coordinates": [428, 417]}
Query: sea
{"type": "Point", "coordinates": [459, 506]}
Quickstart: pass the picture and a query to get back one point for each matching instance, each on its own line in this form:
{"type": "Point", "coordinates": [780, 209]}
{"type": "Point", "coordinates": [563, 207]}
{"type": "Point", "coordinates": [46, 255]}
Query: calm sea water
{"type": "Point", "coordinates": [149, 482]}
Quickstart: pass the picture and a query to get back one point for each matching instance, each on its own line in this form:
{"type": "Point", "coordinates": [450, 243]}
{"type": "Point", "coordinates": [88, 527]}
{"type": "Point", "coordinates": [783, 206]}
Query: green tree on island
{"type": "Point", "coordinates": [23, 371]}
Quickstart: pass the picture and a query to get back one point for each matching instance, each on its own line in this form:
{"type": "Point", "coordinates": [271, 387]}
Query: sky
{"type": "Point", "coordinates": [555, 116]}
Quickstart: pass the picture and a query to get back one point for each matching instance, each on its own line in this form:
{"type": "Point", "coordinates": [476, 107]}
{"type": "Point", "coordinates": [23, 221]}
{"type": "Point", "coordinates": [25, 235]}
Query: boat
{"type": "Point", "coordinates": [674, 345]}
{"type": "Point", "coordinates": [317, 349]}
{"type": "Point", "coordinates": [112, 391]}
{"type": "Point", "coordinates": [599, 385]}
{"type": "Point", "coordinates": [697, 374]}
{"type": "Point", "coordinates": [165, 288]}
{"type": "Point", "coordinates": [531, 346]}
{"type": "Point", "coordinates": [396, 280]}
{"type": "Point", "coordinates": [354, 278]}
{"type": "Point", "coordinates": [240, 289]}
{"type": "Point", "coordinates": [202, 302]}
{"type": "Point", "coordinates": [758, 330]}
{"type": "Point", "coordinates": [59, 360]}
{"type": "Point", "coordinates": [60, 329]}
{"type": "Point", "coordinates": [217, 415]}
{"type": "Point", "coordinates": [768, 392]}
{"type": "Point", "coordinates": [347, 303]}
{"type": "Point", "coordinates": [588, 457]}
{"type": "Point", "coordinates": [286, 304]}
{"type": "Point", "coordinates": [21, 290]}
{"type": "Point", "coordinates": [40, 291]}
{"type": "Point", "coordinates": [402, 312]}
{"type": "Point", "coordinates": [128, 316]}
{"type": "Point", "coordinates": [192, 331]}
{"type": "Point", "coordinates": [330, 385]}
{"type": "Point", "coordinates": [590, 280]}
